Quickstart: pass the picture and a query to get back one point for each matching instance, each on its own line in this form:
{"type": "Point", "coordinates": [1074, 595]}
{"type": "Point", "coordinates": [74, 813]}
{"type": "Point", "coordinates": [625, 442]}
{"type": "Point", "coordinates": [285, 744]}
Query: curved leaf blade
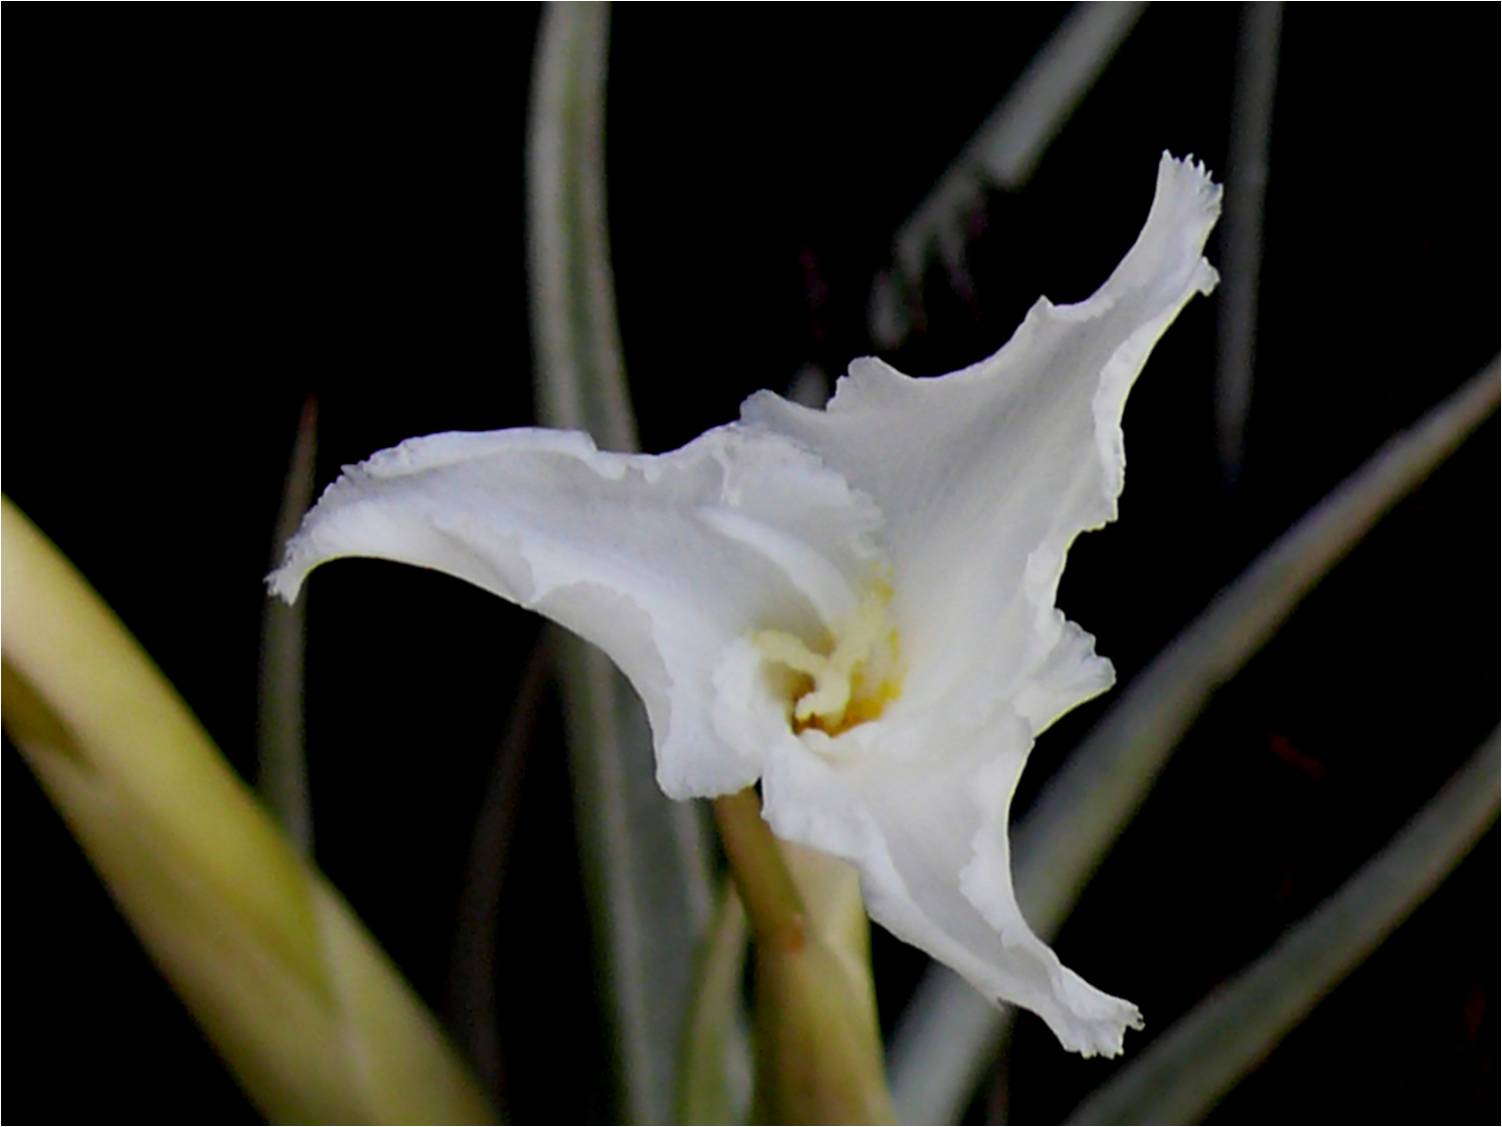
{"type": "Point", "coordinates": [645, 858]}
{"type": "Point", "coordinates": [280, 752]}
{"type": "Point", "coordinates": [1183, 1073]}
{"type": "Point", "coordinates": [304, 1007]}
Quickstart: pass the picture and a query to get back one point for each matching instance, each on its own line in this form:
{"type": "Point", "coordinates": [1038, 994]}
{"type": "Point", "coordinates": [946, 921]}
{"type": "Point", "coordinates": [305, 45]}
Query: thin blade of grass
{"type": "Point", "coordinates": [305, 1009]}
{"type": "Point", "coordinates": [645, 858]}
{"type": "Point", "coordinates": [1183, 1073]}
{"type": "Point", "coordinates": [1003, 153]}
{"type": "Point", "coordinates": [945, 1042]}
{"type": "Point", "coordinates": [715, 1073]}
{"type": "Point", "coordinates": [1241, 261]}
{"type": "Point", "coordinates": [473, 1008]}
{"type": "Point", "coordinates": [282, 776]}
{"type": "Point", "coordinates": [1085, 806]}
{"type": "Point", "coordinates": [581, 382]}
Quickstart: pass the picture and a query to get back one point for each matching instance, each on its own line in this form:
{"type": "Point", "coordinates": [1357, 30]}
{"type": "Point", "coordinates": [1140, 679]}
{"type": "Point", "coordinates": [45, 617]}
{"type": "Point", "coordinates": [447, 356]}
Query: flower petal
{"type": "Point", "coordinates": [928, 834]}
{"type": "Point", "coordinates": [663, 562]}
{"type": "Point", "coordinates": [985, 477]}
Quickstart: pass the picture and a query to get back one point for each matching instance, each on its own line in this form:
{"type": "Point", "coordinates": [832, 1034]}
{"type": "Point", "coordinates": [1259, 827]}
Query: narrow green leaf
{"type": "Point", "coordinates": [645, 858]}
{"type": "Point", "coordinates": [947, 1039]}
{"type": "Point", "coordinates": [305, 1009]}
{"type": "Point", "coordinates": [283, 769]}
{"type": "Point", "coordinates": [581, 378]}
{"type": "Point", "coordinates": [1183, 1073]}
{"type": "Point", "coordinates": [1087, 804]}
{"type": "Point", "coordinates": [1241, 260]}
{"type": "Point", "coordinates": [473, 1005]}
{"type": "Point", "coordinates": [714, 1074]}
{"type": "Point", "coordinates": [1003, 153]}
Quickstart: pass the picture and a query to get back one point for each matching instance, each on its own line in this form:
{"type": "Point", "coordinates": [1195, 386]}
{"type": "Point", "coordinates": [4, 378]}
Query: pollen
{"type": "Point", "coordinates": [850, 684]}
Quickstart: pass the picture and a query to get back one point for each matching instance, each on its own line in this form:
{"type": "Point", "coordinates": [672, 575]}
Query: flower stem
{"type": "Point", "coordinates": [818, 1044]}
{"type": "Point", "coordinates": [760, 872]}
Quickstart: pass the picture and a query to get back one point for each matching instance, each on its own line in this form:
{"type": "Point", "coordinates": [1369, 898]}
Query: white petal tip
{"type": "Point", "coordinates": [284, 583]}
{"type": "Point", "coordinates": [1191, 174]}
{"type": "Point", "coordinates": [1102, 1037]}
{"type": "Point", "coordinates": [1187, 200]}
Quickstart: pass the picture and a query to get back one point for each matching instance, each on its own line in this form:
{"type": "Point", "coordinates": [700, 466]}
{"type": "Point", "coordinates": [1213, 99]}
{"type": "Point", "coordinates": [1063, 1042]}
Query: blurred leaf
{"type": "Point", "coordinates": [1003, 153]}
{"type": "Point", "coordinates": [1086, 805]}
{"type": "Point", "coordinates": [1241, 260]}
{"type": "Point", "coordinates": [304, 1008]}
{"type": "Point", "coordinates": [282, 761]}
{"type": "Point", "coordinates": [473, 1004]}
{"type": "Point", "coordinates": [1183, 1073]}
{"type": "Point", "coordinates": [644, 857]}
{"type": "Point", "coordinates": [945, 1042]}
{"type": "Point", "coordinates": [714, 1074]}
{"type": "Point", "coordinates": [581, 379]}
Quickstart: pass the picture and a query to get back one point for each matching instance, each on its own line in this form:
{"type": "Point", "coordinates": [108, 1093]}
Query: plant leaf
{"type": "Point", "coordinates": [645, 858]}
{"type": "Point", "coordinates": [1003, 153]}
{"type": "Point", "coordinates": [1184, 1072]}
{"type": "Point", "coordinates": [473, 1005]}
{"type": "Point", "coordinates": [581, 379]}
{"type": "Point", "coordinates": [1241, 265]}
{"type": "Point", "coordinates": [281, 756]}
{"type": "Point", "coordinates": [1085, 806]}
{"type": "Point", "coordinates": [714, 1072]}
{"type": "Point", "coordinates": [300, 1002]}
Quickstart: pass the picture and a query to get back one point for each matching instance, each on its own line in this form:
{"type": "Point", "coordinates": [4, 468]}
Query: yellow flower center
{"type": "Point", "coordinates": [851, 683]}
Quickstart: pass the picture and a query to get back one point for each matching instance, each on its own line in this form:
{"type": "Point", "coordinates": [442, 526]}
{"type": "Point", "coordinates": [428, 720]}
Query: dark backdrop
{"type": "Point", "coordinates": [215, 212]}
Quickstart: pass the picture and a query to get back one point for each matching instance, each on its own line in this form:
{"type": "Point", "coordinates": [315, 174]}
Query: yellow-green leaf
{"type": "Point", "coordinates": [304, 1007]}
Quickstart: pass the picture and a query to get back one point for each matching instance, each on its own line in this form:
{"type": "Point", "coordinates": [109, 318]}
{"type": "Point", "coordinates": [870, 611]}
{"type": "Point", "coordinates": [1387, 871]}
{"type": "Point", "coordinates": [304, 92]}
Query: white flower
{"type": "Point", "coordinates": [854, 605]}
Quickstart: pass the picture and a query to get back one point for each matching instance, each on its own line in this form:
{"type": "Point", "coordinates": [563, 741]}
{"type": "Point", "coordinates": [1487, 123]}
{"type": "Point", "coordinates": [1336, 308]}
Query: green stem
{"type": "Point", "coordinates": [761, 875]}
{"type": "Point", "coordinates": [818, 1045]}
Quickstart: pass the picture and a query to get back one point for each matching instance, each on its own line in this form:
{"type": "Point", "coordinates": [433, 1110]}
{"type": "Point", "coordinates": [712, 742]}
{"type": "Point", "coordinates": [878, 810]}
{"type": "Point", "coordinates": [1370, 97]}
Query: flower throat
{"type": "Point", "coordinates": [854, 681]}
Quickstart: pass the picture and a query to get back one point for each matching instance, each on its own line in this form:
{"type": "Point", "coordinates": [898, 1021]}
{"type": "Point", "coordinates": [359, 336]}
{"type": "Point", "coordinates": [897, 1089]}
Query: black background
{"type": "Point", "coordinates": [214, 212]}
